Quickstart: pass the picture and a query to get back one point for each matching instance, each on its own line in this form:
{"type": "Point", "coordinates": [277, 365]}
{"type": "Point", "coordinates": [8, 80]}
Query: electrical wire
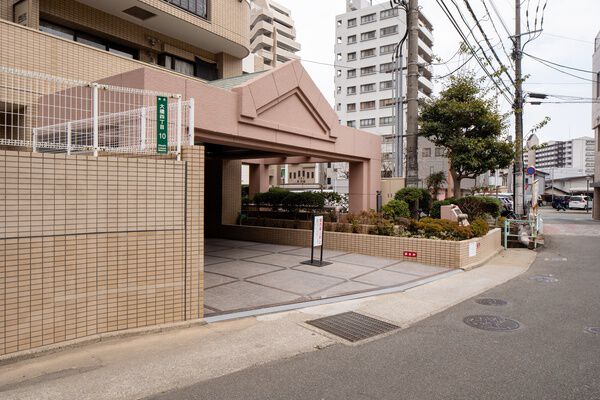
{"type": "Point", "coordinates": [563, 72]}
{"type": "Point", "coordinates": [560, 65]}
{"type": "Point", "coordinates": [487, 40]}
{"type": "Point", "coordinates": [454, 23]}
{"type": "Point", "coordinates": [498, 33]}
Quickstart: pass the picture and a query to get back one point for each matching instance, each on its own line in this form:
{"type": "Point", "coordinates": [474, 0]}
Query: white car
{"type": "Point", "coordinates": [579, 203]}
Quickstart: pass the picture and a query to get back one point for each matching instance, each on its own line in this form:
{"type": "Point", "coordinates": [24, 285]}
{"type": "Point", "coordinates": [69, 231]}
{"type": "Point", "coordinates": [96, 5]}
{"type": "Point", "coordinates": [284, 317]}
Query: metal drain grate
{"type": "Point", "coordinates": [544, 278]}
{"type": "Point", "coordinates": [593, 330]}
{"type": "Point", "coordinates": [352, 326]}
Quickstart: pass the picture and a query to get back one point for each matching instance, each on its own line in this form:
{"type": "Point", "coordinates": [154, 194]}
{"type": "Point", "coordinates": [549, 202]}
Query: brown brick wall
{"type": "Point", "coordinates": [433, 252]}
{"type": "Point", "coordinates": [94, 245]}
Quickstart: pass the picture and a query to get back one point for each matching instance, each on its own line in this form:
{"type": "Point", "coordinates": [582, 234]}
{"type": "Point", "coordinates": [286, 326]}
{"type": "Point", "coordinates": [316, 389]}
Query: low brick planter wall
{"type": "Point", "coordinates": [443, 253]}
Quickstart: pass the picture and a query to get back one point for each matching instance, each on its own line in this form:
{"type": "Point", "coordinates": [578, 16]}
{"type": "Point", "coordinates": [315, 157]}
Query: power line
{"type": "Point", "coordinates": [560, 65]}
{"type": "Point", "coordinates": [497, 33]}
{"type": "Point", "coordinates": [563, 72]}
{"type": "Point", "coordinates": [500, 17]}
{"type": "Point", "coordinates": [568, 38]}
{"type": "Point", "coordinates": [504, 69]}
{"type": "Point", "coordinates": [454, 23]}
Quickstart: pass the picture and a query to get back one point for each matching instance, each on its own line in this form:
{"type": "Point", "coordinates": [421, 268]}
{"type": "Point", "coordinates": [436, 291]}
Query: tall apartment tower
{"type": "Point", "coordinates": [272, 35]}
{"type": "Point", "coordinates": [366, 37]}
{"type": "Point", "coordinates": [575, 156]}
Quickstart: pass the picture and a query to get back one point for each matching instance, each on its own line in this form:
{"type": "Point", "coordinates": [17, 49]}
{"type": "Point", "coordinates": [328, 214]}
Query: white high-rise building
{"type": "Point", "coordinates": [366, 37]}
{"type": "Point", "coordinates": [575, 156]}
{"type": "Point", "coordinates": [272, 36]}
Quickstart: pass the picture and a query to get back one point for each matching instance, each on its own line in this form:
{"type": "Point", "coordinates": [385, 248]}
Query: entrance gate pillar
{"type": "Point", "coordinates": [365, 181]}
{"type": "Point", "coordinates": [259, 179]}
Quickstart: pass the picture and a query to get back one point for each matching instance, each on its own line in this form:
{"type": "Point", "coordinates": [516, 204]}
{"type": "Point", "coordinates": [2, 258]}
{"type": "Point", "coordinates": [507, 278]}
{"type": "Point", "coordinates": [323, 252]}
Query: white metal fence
{"type": "Point", "coordinates": [52, 114]}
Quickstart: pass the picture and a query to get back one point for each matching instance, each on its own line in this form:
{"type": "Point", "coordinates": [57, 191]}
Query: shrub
{"type": "Point", "coordinates": [480, 227]}
{"type": "Point", "coordinates": [383, 227]}
{"type": "Point", "coordinates": [414, 197]}
{"type": "Point", "coordinates": [477, 206]}
{"type": "Point", "coordinates": [500, 222]}
{"type": "Point", "coordinates": [436, 207]}
{"type": "Point", "coordinates": [440, 229]}
{"type": "Point", "coordinates": [396, 209]}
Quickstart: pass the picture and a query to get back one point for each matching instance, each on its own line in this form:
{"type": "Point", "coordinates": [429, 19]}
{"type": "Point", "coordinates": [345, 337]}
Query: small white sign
{"type": "Point", "coordinates": [318, 231]}
{"type": "Point", "coordinates": [472, 249]}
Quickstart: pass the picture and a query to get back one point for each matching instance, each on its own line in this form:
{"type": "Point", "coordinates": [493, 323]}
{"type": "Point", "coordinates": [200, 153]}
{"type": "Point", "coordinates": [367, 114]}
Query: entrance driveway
{"type": "Point", "coordinates": [241, 275]}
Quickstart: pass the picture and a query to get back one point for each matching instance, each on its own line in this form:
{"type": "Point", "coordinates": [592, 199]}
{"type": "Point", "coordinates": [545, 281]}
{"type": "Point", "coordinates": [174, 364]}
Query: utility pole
{"type": "Point", "coordinates": [398, 94]}
{"type": "Point", "coordinates": [518, 108]}
{"type": "Point", "coordinates": [412, 96]}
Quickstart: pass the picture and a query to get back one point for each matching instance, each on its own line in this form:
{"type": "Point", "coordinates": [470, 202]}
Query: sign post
{"type": "Point", "coordinates": [162, 125]}
{"type": "Point", "coordinates": [316, 241]}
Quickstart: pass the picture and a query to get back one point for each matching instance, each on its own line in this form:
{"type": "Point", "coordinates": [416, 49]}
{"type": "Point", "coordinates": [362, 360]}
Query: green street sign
{"type": "Point", "coordinates": [162, 125]}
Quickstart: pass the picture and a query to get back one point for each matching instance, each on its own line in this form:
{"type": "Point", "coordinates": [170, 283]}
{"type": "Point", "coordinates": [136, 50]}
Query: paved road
{"type": "Point", "coordinates": [550, 357]}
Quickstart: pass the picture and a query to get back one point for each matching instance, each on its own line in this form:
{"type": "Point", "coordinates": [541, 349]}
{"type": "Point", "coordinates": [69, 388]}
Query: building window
{"type": "Point", "coordinates": [367, 88]}
{"type": "Point", "coordinates": [386, 103]}
{"type": "Point", "coordinates": [352, 56]}
{"type": "Point", "coordinates": [351, 90]}
{"type": "Point", "coordinates": [387, 67]}
{"type": "Point", "coordinates": [367, 105]}
{"type": "Point", "coordinates": [351, 73]}
{"type": "Point", "coordinates": [90, 40]}
{"type": "Point", "coordinates": [338, 56]}
{"type": "Point", "coordinates": [177, 64]}
{"type": "Point", "coordinates": [367, 19]}
{"type": "Point", "coordinates": [426, 152]}
{"type": "Point", "coordinates": [338, 90]}
{"type": "Point", "coordinates": [352, 23]}
{"type": "Point", "coordinates": [387, 49]}
{"type": "Point", "coordinates": [392, 12]}
{"type": "Point", "coordinates": [338, 73]}
{"type": "Point", "coordinates": [196, 7]}
{"type": "Point", "coordinates": [352, 39]}
{"type": "Point", "coordinates": [386, 85]}
{"type": "Point", "coordinates": [439, 152]}
{"type": "Point", "coordinates": [339, 23]}
{"type": "Point", "coordinates": [367, 123]}
{"type": "Point", "coordinates": [351, 124]}
{"type": "Point", "coordinates": [367, 53]}
{"type": "Point", "coordinates": [389, 30]}
{"type": "Point", "coordinates": [367, 36]}
{"type": "Point", "coordinates": [339, 40]}
{"type": "Point", "coordinates": [386, 121]}
{"type": "Point", "coordinates": [598, 85]}
{"type": "Point", "coordinates": [350, 107]}
{"type": "Point", "coordinates": [339, 107]}
{"type": "Point", "coordinates": [367, 70]}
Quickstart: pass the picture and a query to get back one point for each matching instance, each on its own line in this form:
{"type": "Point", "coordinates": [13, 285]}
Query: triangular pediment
{"type": "Point", "coordinates": [286, 99]}
{"type": "Point", "coordinates": [293, 112]}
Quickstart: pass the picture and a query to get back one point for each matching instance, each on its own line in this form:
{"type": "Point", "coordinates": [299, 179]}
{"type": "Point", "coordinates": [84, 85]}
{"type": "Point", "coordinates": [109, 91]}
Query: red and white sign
{"type": "Point", "coordinates": [318, 231]}
{"type": "Point", "coordinates": [411, 254]}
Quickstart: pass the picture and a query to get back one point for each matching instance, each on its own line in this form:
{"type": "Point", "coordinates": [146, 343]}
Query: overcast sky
{"type": "Point", "coordinates": [570, 27]}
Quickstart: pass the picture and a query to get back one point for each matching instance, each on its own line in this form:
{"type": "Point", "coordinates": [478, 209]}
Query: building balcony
{"type": "Point", "coordinates": [182, 23]}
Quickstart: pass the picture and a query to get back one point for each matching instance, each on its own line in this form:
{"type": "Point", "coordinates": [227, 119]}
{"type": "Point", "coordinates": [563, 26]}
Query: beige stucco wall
{"type": "Point", "coordinates": [95, 245]}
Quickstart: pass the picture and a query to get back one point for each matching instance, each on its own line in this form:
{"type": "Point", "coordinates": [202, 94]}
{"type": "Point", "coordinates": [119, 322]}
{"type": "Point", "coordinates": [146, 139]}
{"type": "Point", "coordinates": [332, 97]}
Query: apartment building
{"type": "Point", "coordinates": [272, 35]}
{"type": "Point", "coordinates": [103, 226]}
{"type": "Point", "coordinates": [569, 155]}
{"type": "Point", "coordinates": [366, 37]}
{"type": "Point", "coordinates": [596, 125]}
{"type": "Point", "coordinates": [199, 38]}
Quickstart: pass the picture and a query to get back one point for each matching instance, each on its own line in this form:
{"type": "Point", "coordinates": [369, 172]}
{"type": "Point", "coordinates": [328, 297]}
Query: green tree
{"type": "Point", "coordinates": [469, 126]}
{"type": "Point", "coordinates": [434, 183]}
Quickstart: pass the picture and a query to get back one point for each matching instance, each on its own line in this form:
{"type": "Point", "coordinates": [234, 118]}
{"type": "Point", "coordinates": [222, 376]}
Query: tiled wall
{"type": "Point", "coordinates": [433, 252]}
{"type": "Point", "coordinates": [28, 49]}
{"type": "Point", "coordinates": [94, 245]}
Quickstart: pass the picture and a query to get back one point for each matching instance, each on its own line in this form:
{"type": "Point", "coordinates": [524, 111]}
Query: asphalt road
{"type": "Point", "coordinates": [551, 356]}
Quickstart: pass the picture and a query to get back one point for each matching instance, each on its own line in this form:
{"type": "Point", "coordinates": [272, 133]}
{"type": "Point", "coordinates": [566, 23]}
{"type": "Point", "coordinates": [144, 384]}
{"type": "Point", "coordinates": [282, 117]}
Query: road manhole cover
{"type": "Point", "coordinates": [491, 323]}
{"type": "Point", "coordinates": [491, 302]}
{"type": "Point", "coordinates": [352, 326]}
{"type": "Point", "coordinates": [544, 278]}
{"type": "Point", "coordinates": [595, 330]}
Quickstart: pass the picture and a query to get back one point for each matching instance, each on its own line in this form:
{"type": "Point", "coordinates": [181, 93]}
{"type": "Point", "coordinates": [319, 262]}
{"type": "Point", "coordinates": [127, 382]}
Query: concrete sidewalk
{"type": "Point", "coordinates": [141, 366]}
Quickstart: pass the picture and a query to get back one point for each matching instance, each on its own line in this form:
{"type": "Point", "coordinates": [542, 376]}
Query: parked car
{"type": "Point", "coordinates": [579, 203]}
